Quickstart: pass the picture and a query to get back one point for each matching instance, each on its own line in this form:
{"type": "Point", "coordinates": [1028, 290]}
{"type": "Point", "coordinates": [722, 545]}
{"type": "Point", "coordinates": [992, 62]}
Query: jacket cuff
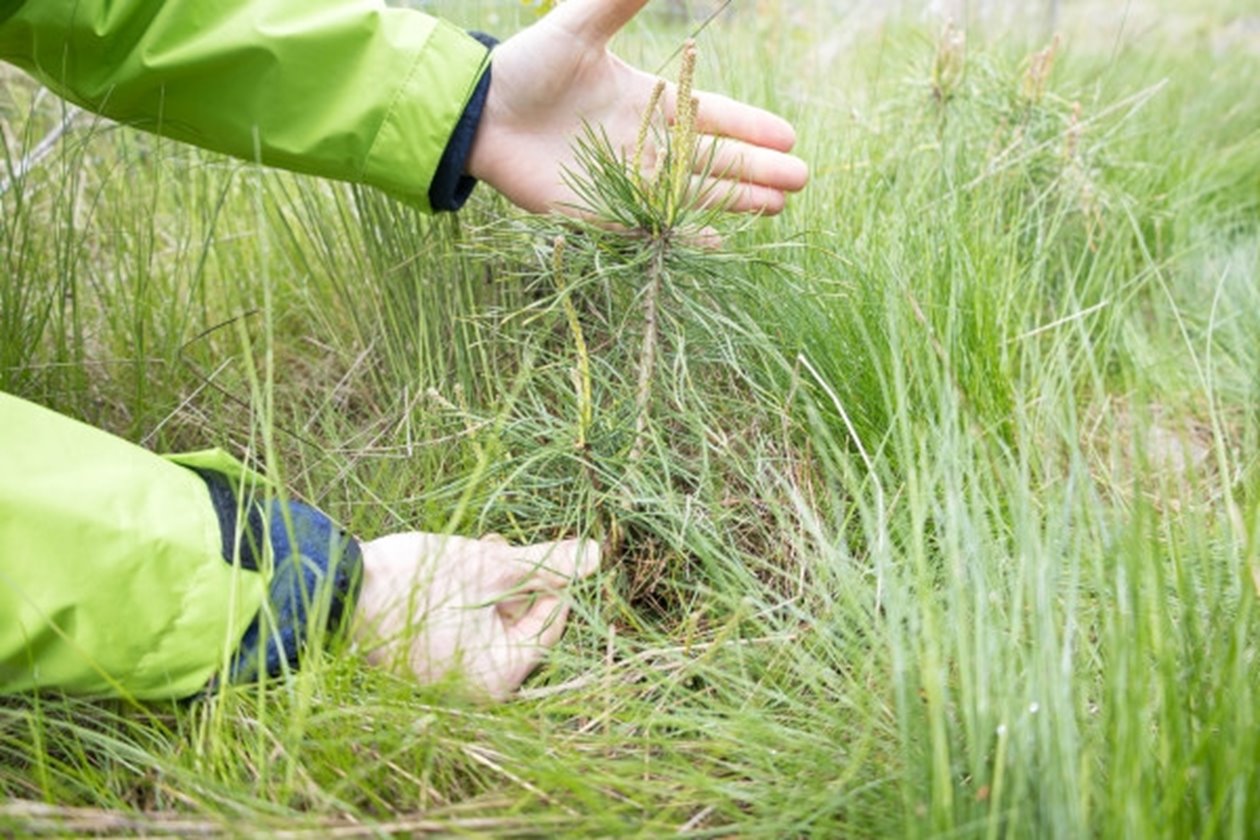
{"type": "Point", "coordinates": [451, 60]}
{"type": "Point", "coordinates": [451, 186]}
{"type": "Point", "coordinates": [316, 569]}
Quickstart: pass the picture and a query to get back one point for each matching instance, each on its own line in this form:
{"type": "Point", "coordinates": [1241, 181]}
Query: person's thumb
{"type": "Point", "coordinates": [498, 668]}
{"type": "Point", "coordinates": [539, 627]}
{"type": "Point", "coordinates": [596, 21]}
{"type": "Point", "coordinates": [549, 565]}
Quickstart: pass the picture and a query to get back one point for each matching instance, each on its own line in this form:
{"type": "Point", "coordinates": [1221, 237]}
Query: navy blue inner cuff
{"type": "Point", "coordinates": [451, 185]}
{"type": "Point", "coordinates": [316, 571]}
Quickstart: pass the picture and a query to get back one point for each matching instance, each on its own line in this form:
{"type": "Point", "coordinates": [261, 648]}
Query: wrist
{"type": "Point", "coordinates": [453, 181]}
{"type": "Point", "coordinates": [477, 164]}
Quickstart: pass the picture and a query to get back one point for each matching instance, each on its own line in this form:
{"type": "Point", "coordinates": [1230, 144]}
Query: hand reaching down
{"type": "Point", "coordinates": [553, 78]}
{"type": "Point", "coordinates": [433, 604]}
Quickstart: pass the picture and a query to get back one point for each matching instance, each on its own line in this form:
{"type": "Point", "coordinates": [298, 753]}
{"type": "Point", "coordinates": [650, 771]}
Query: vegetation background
{"type": "Point", "coordinates": [944, 519]}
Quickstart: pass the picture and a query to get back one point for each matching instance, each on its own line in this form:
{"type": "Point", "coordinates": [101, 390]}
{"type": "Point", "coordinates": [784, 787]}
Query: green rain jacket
{"type": "Point", "coordinates": [346, 89]}
{"type": "Point", "coordinates": [112, 575]}
{"type": "Point", "coordinates": [112, 578]}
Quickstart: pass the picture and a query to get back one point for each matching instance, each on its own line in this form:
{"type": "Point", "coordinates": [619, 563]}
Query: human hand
{"type": "Point", "coordinates": [432, 604]}
{"type": "Point", "coordinates": [557, 75]}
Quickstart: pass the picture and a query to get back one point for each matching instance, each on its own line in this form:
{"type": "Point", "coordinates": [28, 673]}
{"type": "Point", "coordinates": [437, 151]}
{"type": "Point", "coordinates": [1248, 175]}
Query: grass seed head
{"type": "Point", "coordinates": [1072, 137]}
{"type": "Point", "coordinates": [645, 126]}
{"type": "Point", "coordinates": [683, 137]}
{"type": "Point", "coordinates": [1036, 77]}
{"type": "Point", "coordinates": [950, 62]}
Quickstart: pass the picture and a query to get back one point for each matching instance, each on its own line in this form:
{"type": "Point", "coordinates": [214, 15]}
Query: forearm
{"type": "Point", "coordinates": [113, 578]}
{"type": "Point", "coordinates": [126, 573]}
{"type": "Point", "coordinates": [347, 89]}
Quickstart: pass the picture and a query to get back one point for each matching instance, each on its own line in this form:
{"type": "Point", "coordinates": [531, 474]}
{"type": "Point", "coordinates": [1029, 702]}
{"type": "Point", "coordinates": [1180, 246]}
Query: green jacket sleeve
{"type": "Point", "coordinates": [125, 573]}
{"type": "Point", "coordinates": [346, 89]}
{"type": "Point", "coordinates": [112, 576]}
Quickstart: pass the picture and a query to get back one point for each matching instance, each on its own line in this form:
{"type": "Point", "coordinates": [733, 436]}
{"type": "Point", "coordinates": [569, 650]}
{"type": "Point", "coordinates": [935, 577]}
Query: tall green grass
{"type": "Point", "coordinates": [946, 521]}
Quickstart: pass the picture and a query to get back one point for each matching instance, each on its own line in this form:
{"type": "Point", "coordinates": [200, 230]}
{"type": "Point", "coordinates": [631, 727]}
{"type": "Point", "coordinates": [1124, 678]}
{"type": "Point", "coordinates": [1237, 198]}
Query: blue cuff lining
{"type": "Point", "coordinates": [451, 186]}
{"type": "Point", "coordinates": [315, 576]}
{"type": "Point", "coordinates": [223, 497]}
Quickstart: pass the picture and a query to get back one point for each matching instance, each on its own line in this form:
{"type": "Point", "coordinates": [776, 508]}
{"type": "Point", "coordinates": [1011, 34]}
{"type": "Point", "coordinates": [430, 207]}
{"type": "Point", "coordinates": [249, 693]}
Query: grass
{"type": "Point", "coordinates": [945, 520]}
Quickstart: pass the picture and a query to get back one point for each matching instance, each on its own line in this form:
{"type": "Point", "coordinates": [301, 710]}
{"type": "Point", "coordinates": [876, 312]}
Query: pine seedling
{"type": "Point", "coordinates": [623, 272]}
{"type": "Point", "coordinates": [661, 209]}
{"type": "Point", "coordinates": [653, 196]}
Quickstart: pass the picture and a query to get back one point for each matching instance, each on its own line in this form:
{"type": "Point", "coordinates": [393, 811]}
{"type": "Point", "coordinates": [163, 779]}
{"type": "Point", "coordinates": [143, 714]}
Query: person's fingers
{"type": "Point", "coordinates": [511, 610]}
{"type": "Point", "coordinates": [735, 161]}
{"type": "Point", "coordinates": [500, 666]}
{"type": "Point", "coordinates": [737, 197]}
{"type": "Point", "coordinates": [540, 626]}
{"type": "Point", "coordinates": [595, 20]}
{"type": "Point", "coordinates": [722, 116]}
{"type": "Point", "coordinates": [428, 605]}
{"type": "Point", "coordinates": [549, 565]}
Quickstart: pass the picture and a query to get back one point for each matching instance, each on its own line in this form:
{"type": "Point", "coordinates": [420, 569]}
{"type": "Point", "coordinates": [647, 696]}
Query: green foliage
{"type": "Point", "coordinates": [939, 512]}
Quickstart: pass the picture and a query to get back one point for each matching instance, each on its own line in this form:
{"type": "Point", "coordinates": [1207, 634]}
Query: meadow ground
{"type": "Point", "coordinates": [944, 518]}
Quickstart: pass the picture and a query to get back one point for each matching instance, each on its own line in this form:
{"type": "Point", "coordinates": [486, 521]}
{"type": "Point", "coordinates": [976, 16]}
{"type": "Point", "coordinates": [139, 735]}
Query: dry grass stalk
{"type": "Point", "coordinates": [582, 372]}
{"type": "Point", "coordinates": [950, 62]}
{"type": "Point", "coordinates": [1040, 67]}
